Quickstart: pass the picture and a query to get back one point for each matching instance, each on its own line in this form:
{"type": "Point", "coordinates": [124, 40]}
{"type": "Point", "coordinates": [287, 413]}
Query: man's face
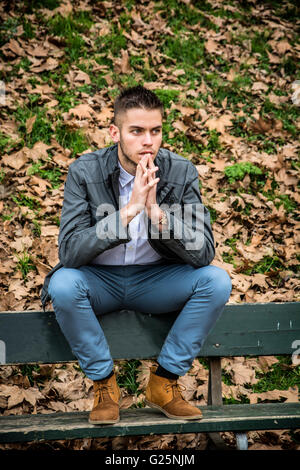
{"type": "Point", "coordinates": [138, 132]}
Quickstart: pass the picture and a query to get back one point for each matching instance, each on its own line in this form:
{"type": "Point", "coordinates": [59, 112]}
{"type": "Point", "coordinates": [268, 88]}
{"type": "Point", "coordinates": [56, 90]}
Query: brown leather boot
{"type": "Point", "coordinates": [164, 395]}
{"type": "Point", "coordinates": [107, 397]}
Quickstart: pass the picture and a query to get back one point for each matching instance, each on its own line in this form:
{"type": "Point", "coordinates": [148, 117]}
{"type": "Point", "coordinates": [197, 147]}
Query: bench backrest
{"type": "Point", "coordinates": [242, 329]}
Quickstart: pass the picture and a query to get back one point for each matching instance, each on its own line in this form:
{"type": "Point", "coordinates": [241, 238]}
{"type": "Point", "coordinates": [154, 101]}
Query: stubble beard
{"type": "Point", "coordinates": [127, 160]}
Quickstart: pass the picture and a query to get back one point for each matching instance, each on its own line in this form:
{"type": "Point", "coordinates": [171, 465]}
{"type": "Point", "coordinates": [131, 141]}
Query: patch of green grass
{"type": "Point", "coordinates": [30, 6]}
{"type": "Point", "coordinates": [238, 129]}
{"type": "Point", "coordinates": [204, 361]}
{"type": "Point", "coordinates": [25, 264]}
{"type": "Point", "coordinates": [113, 42]}
{"type": "Point", "coordinates": [55, 76]}
{"type": "Point", "coordinates": [241, 81]}
{"type": "Point", "coordinates": [43, 171]}
{"type": "Point", "coordinates": [265, 265]}
{"type": "Point", "coordinates": [27, 369]}
{"type": "Point", "coordinates": [6, 143]}
{"type": "Point", "coordinates": [167, 97]}
{"type": "Point", "coordinates": [180, 141]}
{"type": "Point", "coordinates": [232, 243]}
{"type": "Point", "coordinates": [72, 140]}
{"type": "Point", "coordinates": [213, 142]}
{"type": "Point", "coordinates": [29, 30]}
{"type": "Point", "coordinates": [67, 26]}
{"type": "Point", "coordinates": [290, 67]}
{"type": "Point", "coordinates": [180, 15]}
{"type": "Point", "coordinates": [270, 146]}
{"type": "Point", "coordinates": [8, 29]}
{"type": "Point", "coordinates": [99, 82]}
{"type": "Point", "coordinates": [186, 52]}
{"type": "Point", "coordinates": [235, 15]}
{"type": "Point", "coordinates": [125, 80]}
{"type": "Point", "coordinates": [230, 257]}
{"type": "Point", "coordinates": [23, 200]}
{"type": "Point", "coordinates": [286, 113]}
{"type": "Point", "coordinates": [75, 49]}
{"type": "Point", "coordinates": [66, 99]}
{"type": "Point", "coordinates": [289, 204]}
{"type": "Point", "coordinates": [71, 28]}
{"type": "Point", "coordinates": [238, 171]}
{"type": "Point", "coordinates": [36, 230]}
{"type": "Point", "coordinates": [42, 128]}
{"type": "Point", "coordinates": [233, 401]}
{"type": "Point", "coordinates": [259, 42]}
{"type": "Point", "coordinates": [259, 45]}
{"type": "Point", "coordinates": [129, 4]}
{"type": "Point", "coordinates": [88, 89]}
{"type": "Point", "coordinates": [227, 379]}
{"type": "Point", "coordinates": [137, 62]}
{"type": "Point", "coordinates": [55, 220]}
{"type": "Point", "coordinates": [213, 214]}
{"type": "Point", "coordinates": [125, 21]}
{"type": "Point", "coordinates": [24, 64]}
{"type": "Point", "coordinates": [221, 89]}
{"type": "Point", "coordinates": [7, 216]}
{"type": "Point", "coordinates": [127, 376]}
{"type": "Point", "coordinates": [281, 377]}
{"type": "Point", "coordinates": [2, 175]}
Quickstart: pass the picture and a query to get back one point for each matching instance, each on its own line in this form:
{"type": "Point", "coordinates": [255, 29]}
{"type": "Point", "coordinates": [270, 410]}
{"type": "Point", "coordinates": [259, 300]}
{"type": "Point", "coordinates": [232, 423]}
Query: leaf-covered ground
{"type": "Point", "coordinates": [226, 72]}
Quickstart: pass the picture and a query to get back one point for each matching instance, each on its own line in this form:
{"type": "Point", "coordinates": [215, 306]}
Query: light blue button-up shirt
{"type": "Point", "coordinates": [138, 250]}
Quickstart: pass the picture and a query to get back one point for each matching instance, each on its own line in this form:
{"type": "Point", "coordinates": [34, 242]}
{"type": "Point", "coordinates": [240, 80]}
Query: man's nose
{"type": "Point", "coordinates": [147, 139]}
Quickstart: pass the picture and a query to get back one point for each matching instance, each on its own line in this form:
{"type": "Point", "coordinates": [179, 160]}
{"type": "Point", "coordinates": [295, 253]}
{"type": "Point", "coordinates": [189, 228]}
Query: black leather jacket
{"type": "Point", "coordinates": [93, 180]}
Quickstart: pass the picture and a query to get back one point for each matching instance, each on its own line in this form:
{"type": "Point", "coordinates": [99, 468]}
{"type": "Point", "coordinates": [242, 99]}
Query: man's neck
{"type": "Point", "coordinates": [126, 163]}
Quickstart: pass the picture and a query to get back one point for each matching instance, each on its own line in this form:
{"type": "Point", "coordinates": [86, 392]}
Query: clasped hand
{"type": "Point", "coordinates": [143, 195]}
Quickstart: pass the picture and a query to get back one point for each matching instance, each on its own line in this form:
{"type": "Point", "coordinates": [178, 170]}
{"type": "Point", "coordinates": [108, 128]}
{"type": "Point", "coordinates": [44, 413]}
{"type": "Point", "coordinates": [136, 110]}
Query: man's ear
{"type": "Point", "coordinates": [114, 133]}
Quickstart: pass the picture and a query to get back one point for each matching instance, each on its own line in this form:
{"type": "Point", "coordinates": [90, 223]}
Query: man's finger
{"type": "Point", "coordinates": [150, 162]}
{"type": "Point", "coordinates": [153, 170]}
{"type": "Point", "coordinates": [139, 167]}
{"type": "Point", "coordinates": [143, 166]}
{"type": "Point", "coordinates": [153, 182]}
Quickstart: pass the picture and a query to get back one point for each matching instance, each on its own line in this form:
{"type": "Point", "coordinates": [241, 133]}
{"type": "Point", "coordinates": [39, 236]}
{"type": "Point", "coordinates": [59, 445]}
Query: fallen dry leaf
{"type": "Point", "coordinates": [81, 111]}
{"type": "Point", "coordinates": [291, 395]}
{"type": "Point", "coordinates": [220, 123]}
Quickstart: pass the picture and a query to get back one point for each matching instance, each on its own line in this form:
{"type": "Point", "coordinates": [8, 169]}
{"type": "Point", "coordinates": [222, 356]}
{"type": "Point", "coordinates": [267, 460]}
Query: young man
{"type": "Point", "coordinates": [133, 225]}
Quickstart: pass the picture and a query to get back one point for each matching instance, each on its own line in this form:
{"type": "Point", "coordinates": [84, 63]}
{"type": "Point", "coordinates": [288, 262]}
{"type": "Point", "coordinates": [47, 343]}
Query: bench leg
{"type": "Point", "coordinates": [215, 398]}
{"type": "Point", "coordinates": [241, 441]}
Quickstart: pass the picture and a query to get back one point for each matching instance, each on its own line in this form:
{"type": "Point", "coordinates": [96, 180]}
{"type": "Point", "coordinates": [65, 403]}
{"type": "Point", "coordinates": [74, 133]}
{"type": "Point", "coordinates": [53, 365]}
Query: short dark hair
{"type": "Point", "coordinates": [136, 97]}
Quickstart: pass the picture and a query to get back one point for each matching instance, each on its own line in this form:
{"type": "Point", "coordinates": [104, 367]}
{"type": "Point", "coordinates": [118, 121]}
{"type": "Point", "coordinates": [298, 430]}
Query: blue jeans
{"type": "Point", "coordinates": [80, 294]}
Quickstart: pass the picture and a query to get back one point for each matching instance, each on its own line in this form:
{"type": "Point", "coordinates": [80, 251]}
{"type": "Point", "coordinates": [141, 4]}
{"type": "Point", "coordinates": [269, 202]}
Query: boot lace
{"type": "Point", "coordinates": [102, 391]}
{"type": "Point", "coordinates": [176, 388]}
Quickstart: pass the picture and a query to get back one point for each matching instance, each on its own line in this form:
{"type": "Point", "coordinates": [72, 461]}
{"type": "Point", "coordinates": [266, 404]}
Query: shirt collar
{"type": "Point", "coordinates": [124, 177]}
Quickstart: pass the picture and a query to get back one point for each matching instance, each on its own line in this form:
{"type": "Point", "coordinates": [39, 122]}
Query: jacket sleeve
{"type": "Point", "coordinates": [189, 234]}
{"type": "Point", "coordinates": [79, 241]}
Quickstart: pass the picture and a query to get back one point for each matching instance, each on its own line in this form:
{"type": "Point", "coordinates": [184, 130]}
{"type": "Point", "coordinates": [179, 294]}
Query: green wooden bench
{"type": "Point", "coordinates": [242, 330]}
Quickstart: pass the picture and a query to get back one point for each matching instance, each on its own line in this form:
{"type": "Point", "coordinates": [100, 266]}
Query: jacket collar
{"type": "Point", "coordinates": [111, 163]}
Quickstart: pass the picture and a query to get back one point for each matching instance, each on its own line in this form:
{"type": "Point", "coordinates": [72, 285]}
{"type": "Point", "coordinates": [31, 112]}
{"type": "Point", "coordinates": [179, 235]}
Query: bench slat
{"type": "Point", "coordinates": [144, 421]}
{"type": "Point", "coordinates": [242, 329]}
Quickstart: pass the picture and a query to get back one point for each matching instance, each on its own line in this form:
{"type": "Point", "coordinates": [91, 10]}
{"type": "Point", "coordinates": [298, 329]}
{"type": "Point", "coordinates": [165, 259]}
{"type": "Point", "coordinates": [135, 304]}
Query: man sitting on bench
{"type": "Point", "coordinates": [135, 235]}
